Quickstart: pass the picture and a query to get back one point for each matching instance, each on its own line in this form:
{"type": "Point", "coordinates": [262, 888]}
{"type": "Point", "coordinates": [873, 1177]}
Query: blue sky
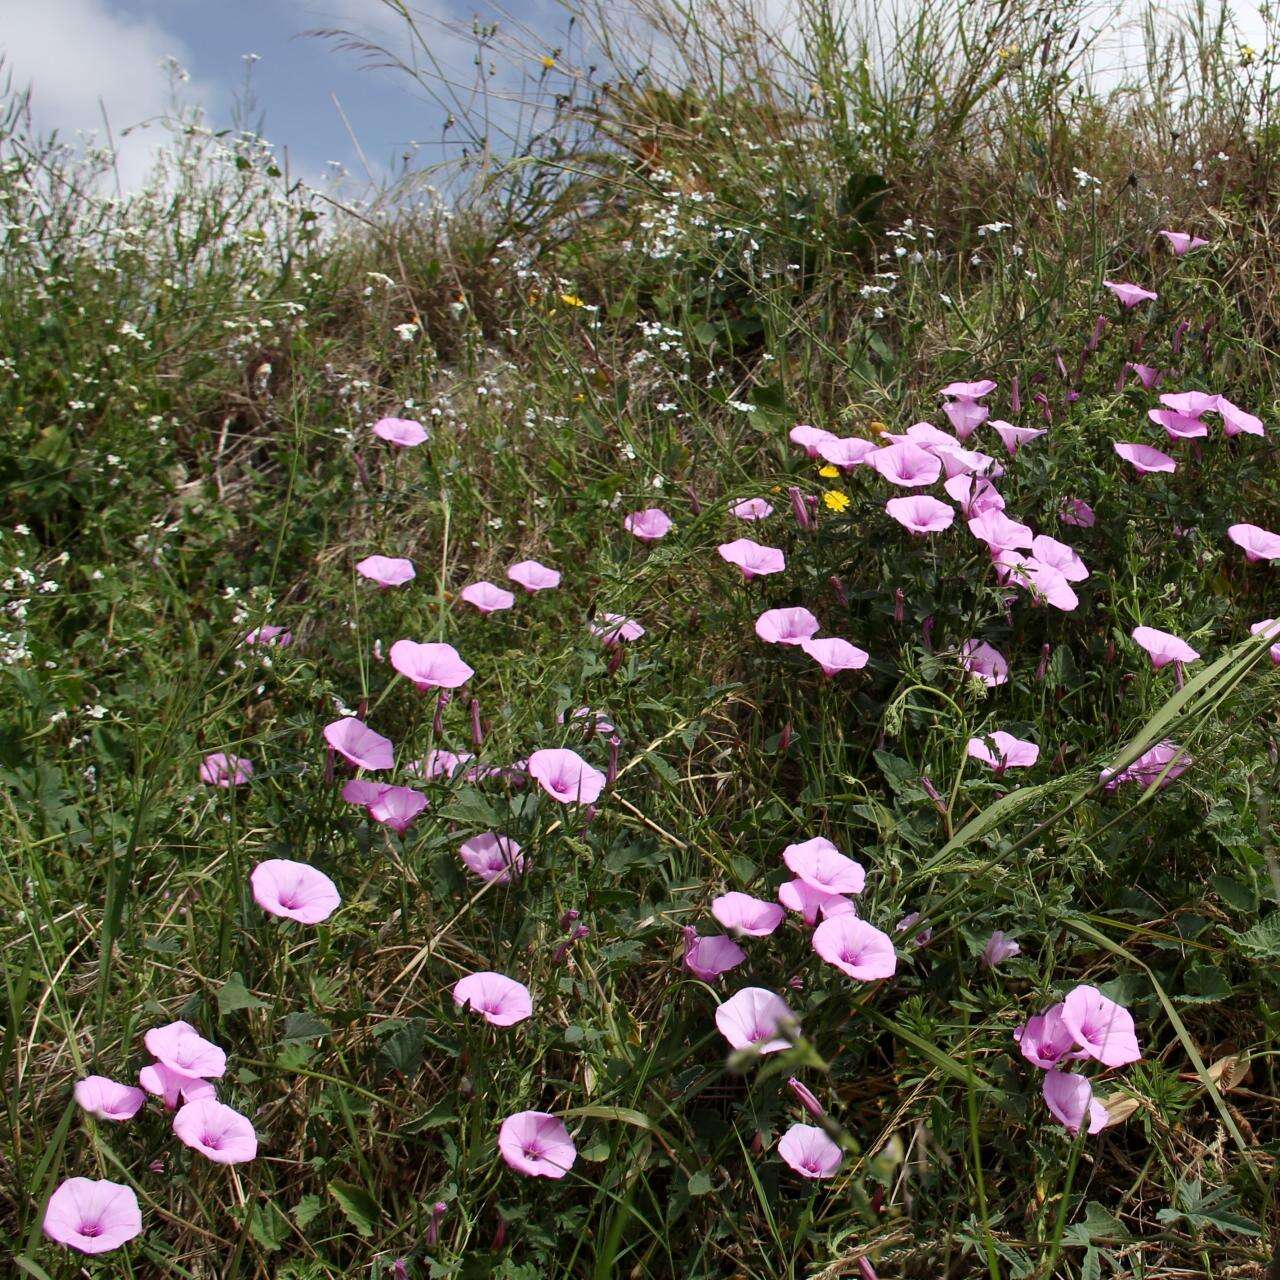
{"type": "Point", "coordinates": [74, 53]}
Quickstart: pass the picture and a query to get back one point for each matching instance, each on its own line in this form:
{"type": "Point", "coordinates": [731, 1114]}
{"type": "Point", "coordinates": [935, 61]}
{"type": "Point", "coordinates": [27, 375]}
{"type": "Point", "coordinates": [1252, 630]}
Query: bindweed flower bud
{"type": "Point", "coordinates": [477, 729]}
{"type": "Point", "coordinates": [784, 738]}
{"type": "Point", "coordinates": [1015, 396]}
{"type": "Point", "coordinates": [926, 634]}
{"type": "Point", "coordinates": [799, 508]}
{"type": "Point", "coordinates": [437, 1214]}
{"type": "Point", "coordinates": [1045, 651]}
{"type": "Point", "coordinates": [806, 1098]}
{"type": "Point", "coordinates": [899, 605]}
{"type": "Point", "coordinates": [838, 587]}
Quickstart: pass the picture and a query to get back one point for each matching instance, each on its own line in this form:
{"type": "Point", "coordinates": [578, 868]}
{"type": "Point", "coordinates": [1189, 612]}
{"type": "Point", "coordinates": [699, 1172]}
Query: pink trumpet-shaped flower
{"type": "Point", "coordinates": [400, 431]}
{"type": "Point", "coordinates": [752, 509]}
{"type": "Point", "coordinates": [809, 438]}
{"type": "Point", "coordinates": [357, 743]}
{"type": "Point", "coordinates": [845, 453]}
{"type": "Point", "coordinates": [279, 637]}
{"type": "Point", "coordinates": [1182, 242]}
{"type": "Point", "coordinates": [1178, 426]}
{"type": "Point", "coordinates": [834, 655]}
{"type": "Point", "coordinates": [707, 958]}
{"type": "Point", "coordinates": [999, 532]}
{"type": "Point", "coordinates": [1045, 1039]}
{"type": "Point", "coordinates": [1129, 295]}
{"type": "Point", "coordinates": [797, 895]}
{"type": "Point", "coordinates": [397, 807]}
{"type": "Point", "coordinates": [906, 465]}
{"type": "Point", "coordinates": [920, 513]}
{"type": "Point", "coordinates": [856, 948]}
{"type": "Point", "coordinates": [181, 1048]}
{"type": "Point", "coordinates": [1163, 762]}
{"type": "Point", "coordinates": [961, 462]}
{"type": "Point", "coordinates": [1235, 421]}
{"type": "Point", "coordinates": [226, 771]}
{"type": "Point", "coordinates": [1046, 582]}
{"type": "Point", "coordinates": [533, 576]}
{"type": "Point", "coordinates": [499, 1000]}
{"type": "Point", "coordinates": [486, 597]}
{"type": "Point", "coordinates": [216, 1131]}
{"type": "Point", "coordinates": [430, 666]}
{"type": "Point", "coordinates": [615, 628]}
{"type": "Point", "coordinates": [536, 1144]}
{"type": "Point", "coordinates": [808, 1150]}
{"type": "Point", "coordinates": [927, 436]}
{"type": "Point", "coordinates": [970, 390]}
{"type": "Point", "coordinates": [565, 776]}
{"type": "Point", "coordinates": [171, 1086]}
{"type": "Point", "coordinates": [752, 558]}
{"type": "Point", "coordinates": [1255, 542]}
{"type": "Point", "coordinates": [1163, 647]}
{"type": "Point", "coordinates": [755, 1018]}
{"type": "Point", "coordinates": [294, 890]}
{"type": "Point", "coordinates": [1192, 404]}
{"type": "Point", "coordinates": [92, 1216]}
{"type": "Point", "coordinates": [1147, 375]}
{"type": "Point", "coordinates": [648, 525]}
{"type": "Point", "coordinates": [975, 494]}
{"type": "Point", "coordinates": [109, 1099]}
{"type": "Point", "coordinates": [492, 857]}
{"type": "Point", "coordinates": [988, 664]}
{"type": "Point", "coordinates": [1077, 513]}
{"type": "Point", "coordinates": [1009, 752]}
{"type": "Point", "coordinates": [1143, 458]}
{"type": "Point", "coordinates": [1070, 1098]}
{"type": "Point", "coordinates": [1013, 438]}
{"type": "Point", "coordinates": [437, 763]}
{"type": "Point", "coordinates": [963, 411]}
{"type": "Point", "coordinates": [786, 626]}
{"type": "Point", "coordinates": [1271, 628]}
{"type": "Point", "coordinates": [752, 917]}
{"type": "Point", "coordinates": [1103, 1029]}
{"type": "Point", "coordinates": [823, 867]}
{"type": "Point", "coordinates": [999, 948]}
{"type": "Point", "coordinates": [386, 571]}
{"type": "Point", "coordinates": [1059, 556]}
{"type": "Point", "coordinates": [362, 791]}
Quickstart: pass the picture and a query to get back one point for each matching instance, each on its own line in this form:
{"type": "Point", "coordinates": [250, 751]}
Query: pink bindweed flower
{"type": "Point", "coordinates": [486, 597]}
{"type": "Point", "coordinates": [823, 867]}
{"type": "Point", "coordinates": [1192, 404]}
{"type": "Point", "coordinates": [536, 1144]}
{"type": "Point", "coordinates": [277, 637]}
{"type": "Point", "coordinates": [1129, 295]}
{"type": "Point", "coordinates": [492, 857]}
{"type": "Point", "coordinates": [707, 958]}
{"type": "Point", "coordinates": [906, 465]}
{"type": "Point", "coordinates": [752, 509]}
{"type": "Point", "coordinates": [225, 771]}
{"type": "Point", "coordinates": [834, 655]}
{"type": "Point", "coordinates": [171, 1087]}
{"type": "Point", "coordinates": [797, 895]}
{"type": "Point", "coordinates": [359, 745]}
{"type": "Point", "coordinates": [1143, 458]}
{"type": "Point", "coordinates": [1045, 1039]}
{"type": "Point", "coordinates": [216, 1131]}
{"type": "Point", "coordinates": [963, 411]}
{"type": "Point", "coordinates": [400, 431]}
{"type": "Point", "coordinates": [1077, 513]}
{"type": "Point", "coordinates": [533, 576]}
{"type": "Point", "coordinates": [1235, 421]}
{"type": "Point", "coordinates": [1182, 241]}
{"type": "Point", "coordinates": [1013, 438]}
{"type": "Point", "coordinates": [978, 390]}
{"type": "Point", "coordinates": [786, 626]}
{"type": "Point", "coordinates": [91, 1215]}
{"type": "Point", "coordinates": [809, 438]}
{"type": "Point", "coordinates": [1271, 628]}
{"type": "Point", "coordinates": [430, 666]}
{"type": "Point", "coordinates": [1103, 1029]}
{"type": "Point", "coordinates": [920, 513]}
{"type": "Point", "coordinates": [988, 664]}
{"type": "Point", "coordinates": [181, 1048]}
{"type": "Point", "coordinates": [999, 948]}
{"type": "Point", "coordinates": [743, 914]}
{"type": "Point", "coordinates": [386, 571]}
{"type": "Point", "coordinates": [499, 1000]}
{"type": "Point", "coordinates": [752, 558]}
{"type": "Point", "coordinates": [1059, 556]}
{"type": "Point", "coordinates": [755, 1018]}
{"type": "Point", "coordinates": [845, 453]}
{"type": "Point", "coordinates": [1009, 752]}
{"type": "Point", "coordinates": [294, 890]}
{"type": "Point", "coordinates": [648, 525]}
{"type": "Point", "coordinates": [565, 776]}
{"type": "Point", "coordinates": [999, 532]}
{"type": "Point", "coordinates": [975, 494]}
{"type": "Point", "coordinates": [1162, 763]}
{"type": "Point", "coordinates": [808, 1150]}
{"type": "Point", "coordinates": [805, 1096]}
{"type": "Point", "coordinates": [961, 462]}
{"type": "Point", "coordinates": [108, 1099]}
{"type": "Point", "coordinates": [615, 628]}
{"type": "Point", "coordinates": [856, 948]}
{"type": "Point", "coordinates": [397, 807]}
{"type": "Point", "coordinates": [1163, 647]}
{"type": "Point", "coordinates": [437, 763]}
{"type": "Point", "coordinates": [1146, 374]}
{"type": "Point", "coordinates": [1256, 543]}
{"type": "Point", "coordinates": [1178, 426]}
{"type": "Point", "coordinates": [1070, 1098]}
{"type": "Point", "coordinates": [1046, 582]}
{"type": "Point", "coordinates": [927, 436]}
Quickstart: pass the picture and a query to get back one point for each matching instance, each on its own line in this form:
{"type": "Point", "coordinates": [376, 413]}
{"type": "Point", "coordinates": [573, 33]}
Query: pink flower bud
{"type": "Point", "coordinates": [899, 605]}
{"type": "Point", "coordinates": [806, 1098]}
{"type": "Point", "coordinates": [799, 508]}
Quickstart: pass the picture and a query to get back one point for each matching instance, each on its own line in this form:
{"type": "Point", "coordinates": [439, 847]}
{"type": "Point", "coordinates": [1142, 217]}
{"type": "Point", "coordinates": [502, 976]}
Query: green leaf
{"type": "Point", "coordinates": [307, 1210]}
{"type": "Point", "coordinates": [1263, 940]}
{"type": "Point", "coordinates": [268, 1226]}
{"type": "Point", "coordinates": [1098, 1224]}
{"type": "Point", "coordinates": [402, 1050]}
{"type": "Point", "coordinates": [699, 1183]}
{"type": "Point", "coordinates": [359, 1207]}
{"type": "Point", "coordinates": [234, 995]}
{"type": "Point", "coordinates": [304, 1026]}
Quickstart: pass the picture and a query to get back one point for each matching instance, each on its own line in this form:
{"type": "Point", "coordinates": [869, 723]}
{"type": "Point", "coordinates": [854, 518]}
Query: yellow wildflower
{"type": "Point", "coordinates": [548, 62]}
{"type": "Point", "coordinates": [829, 472]}
{"type": "Point", "coordinates": [572, 300]}
{"type": "Point", "coordinates": [835, 500]}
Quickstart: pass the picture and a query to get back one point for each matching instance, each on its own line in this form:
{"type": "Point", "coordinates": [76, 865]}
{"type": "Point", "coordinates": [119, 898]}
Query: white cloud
{"type": "Point", "coordinates": [82, 59]}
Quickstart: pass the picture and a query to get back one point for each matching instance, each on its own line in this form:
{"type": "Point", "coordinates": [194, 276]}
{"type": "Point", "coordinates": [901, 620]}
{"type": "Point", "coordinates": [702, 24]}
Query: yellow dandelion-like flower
{"type": "Point", "coordinates": [572, 300]}
{"type": "Point", "coordinates": [835, 500]}
{"type": "Point", "coordinates": [548, 62]}
{"type": "Point", "coordinates": [828, 472]}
